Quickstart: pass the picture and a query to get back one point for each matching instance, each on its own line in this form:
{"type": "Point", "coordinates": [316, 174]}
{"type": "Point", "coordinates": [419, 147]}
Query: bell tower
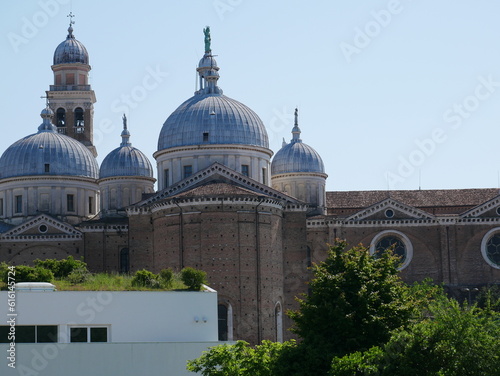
{"type": "Point", "coordinates": [71, 97]}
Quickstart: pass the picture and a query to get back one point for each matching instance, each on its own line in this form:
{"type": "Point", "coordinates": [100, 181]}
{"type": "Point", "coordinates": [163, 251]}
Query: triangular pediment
{"type": "Point", "coordinates": [488, 209]}
{"type": "Point", "coordinates": [220, 174]}
{"type": "Point", "coordinates": [42, 226]}
{"type": "Point", "coordinates": [389, 209]}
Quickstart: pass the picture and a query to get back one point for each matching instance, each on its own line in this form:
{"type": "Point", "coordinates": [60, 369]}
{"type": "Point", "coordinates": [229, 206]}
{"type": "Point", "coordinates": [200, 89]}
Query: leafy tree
{"type": "Point", "coordinates": [356, 300]}
{"type": "Point", "coordinates": [489, 298]}
{"type": "Point", "coordinates": [239, 359]}
{"type": "Point", "coordinates": [193, 278]}
{"type": "Point", "coordinates": [455, 341]}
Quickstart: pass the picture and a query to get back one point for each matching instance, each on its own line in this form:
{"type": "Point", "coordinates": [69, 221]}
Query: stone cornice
{"type": "Point", "coordinates": [216, 147]}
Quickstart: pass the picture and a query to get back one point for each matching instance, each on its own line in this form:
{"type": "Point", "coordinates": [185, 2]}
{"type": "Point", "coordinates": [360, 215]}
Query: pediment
{"type": "Point", "coordinates": [488, 209]}
{"type": "Point", "coordinates": [42, 226]}
{"type": "Point", "coordinates": [223, 175]}
{"type": "Point", "coordinates": [389, 209]}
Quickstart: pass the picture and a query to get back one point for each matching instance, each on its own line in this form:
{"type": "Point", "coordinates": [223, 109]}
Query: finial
{"type": "Point", "coordinates": [296, 129]}
{"type": "Point", "coordinates": [283, 144]}
{"type": "Point", "coordinates": [125, 133]}
{"type": "Point", "coordinates": [46, 115]}
{"type": "Point", "coordinates": [206, 31]}
{"type": "Point", "coordinates": [71, 22]}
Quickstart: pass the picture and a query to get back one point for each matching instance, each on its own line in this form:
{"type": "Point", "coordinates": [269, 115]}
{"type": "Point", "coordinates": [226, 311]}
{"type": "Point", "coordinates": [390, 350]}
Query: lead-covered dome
{"type": "Point", "coordinates": [71, 51]}
{"type": "Point", "coordinates": [296, 156]}
{"type": "Point", "coordinates": [48, 153]}
{"type": "Point", "coordinates": [126, 160]}
{"type": "Point", "coordinates": [212, 118]}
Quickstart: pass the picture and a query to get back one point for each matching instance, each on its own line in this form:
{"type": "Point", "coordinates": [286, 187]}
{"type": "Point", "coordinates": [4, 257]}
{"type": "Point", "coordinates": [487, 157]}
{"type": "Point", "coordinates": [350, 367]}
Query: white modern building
{"type": "Point", "coordinates": [106, 332]}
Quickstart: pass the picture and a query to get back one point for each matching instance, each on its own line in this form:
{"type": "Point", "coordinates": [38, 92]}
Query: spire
{"type": "Point", "coordinates": [70, 28]}
{"type": "Point", "coordinates": [296, 129]}
{"type": "Point", "coordinates": [125, 133]}
{"type": "Point", "coordinates": [208, 69]}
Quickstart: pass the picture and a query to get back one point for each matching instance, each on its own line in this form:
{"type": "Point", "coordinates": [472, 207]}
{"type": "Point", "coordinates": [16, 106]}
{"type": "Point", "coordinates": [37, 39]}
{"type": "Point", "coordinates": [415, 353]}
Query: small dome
{"type": "Point", "coordinates": [71, 51]}
{"type": "Point", "coordinates": [212, 119]}
{"type": "Point", "coordinates": [296, 156]}
{"type": "Point", "coordinates": [48, 153]}
{"type": "Point", "coordinates": [126, 160]}
{"type": "Point", "coordinates": [208, 61]}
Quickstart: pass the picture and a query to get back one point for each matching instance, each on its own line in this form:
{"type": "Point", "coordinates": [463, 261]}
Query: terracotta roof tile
{"type": "Point", "coordinates": [439, 200]}
{"type": "Point", "coordinates": [215, 189]}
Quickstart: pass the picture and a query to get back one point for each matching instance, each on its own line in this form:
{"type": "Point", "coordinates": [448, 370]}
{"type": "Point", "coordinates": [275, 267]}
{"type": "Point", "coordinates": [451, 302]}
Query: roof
{"type": "Point", "coordinates": [215, 188]}
{"type": "Point", "coordinates": [212, 119]}
{"type": "Point", "coordinates": [445, 201]}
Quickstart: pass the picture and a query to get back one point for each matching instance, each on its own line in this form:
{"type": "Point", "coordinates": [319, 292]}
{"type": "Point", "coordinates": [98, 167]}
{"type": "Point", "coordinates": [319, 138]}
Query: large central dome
{"type": "Point", "coordinates": [210, 127]}
{"type": "Point", "coordinates": [212, 119]}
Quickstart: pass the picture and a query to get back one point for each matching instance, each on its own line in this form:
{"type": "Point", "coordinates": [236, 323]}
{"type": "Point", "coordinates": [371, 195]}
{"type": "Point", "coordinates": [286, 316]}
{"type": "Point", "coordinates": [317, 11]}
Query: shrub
{"type": "Point", "coordinates": [145, 278]}
{"type": "Point", "coordinates": [167, 277]}
{"type": "Point", "coordinates": [193, 278]}
{"type": "Point", "coordinates": [78, 275]}
{"type": "Point", "coordinates": [26, 273]}
{"type": "Point", "coordinates": [61, 268]}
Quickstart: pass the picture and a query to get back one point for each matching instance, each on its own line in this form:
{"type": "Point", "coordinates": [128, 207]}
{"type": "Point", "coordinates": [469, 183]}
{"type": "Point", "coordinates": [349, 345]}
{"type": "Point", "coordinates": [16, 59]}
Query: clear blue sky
{"type": "Point", "coordinates": [390, 93]}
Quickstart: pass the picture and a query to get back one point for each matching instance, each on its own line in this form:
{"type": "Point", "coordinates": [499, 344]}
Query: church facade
{"type": "Point", "coordinates": [223, 203]}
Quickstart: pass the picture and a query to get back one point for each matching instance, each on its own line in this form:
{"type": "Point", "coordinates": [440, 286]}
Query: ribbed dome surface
{"type": "Point", "coordinates": [71, 51]}
{"type": "Point", "coordinates": [212, 119]}
{"type": "Point", "coordinates": [296, 157]}
{"type": "Point", "coordinates": [126, 161]}
{"type": "Point", "coordinates": [48, 153]}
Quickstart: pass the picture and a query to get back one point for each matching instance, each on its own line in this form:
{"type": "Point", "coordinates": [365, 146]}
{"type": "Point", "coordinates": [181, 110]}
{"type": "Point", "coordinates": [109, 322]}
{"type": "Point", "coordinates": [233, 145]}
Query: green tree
{"type": "Point", "coordinates": [453, 341]}
{"type": "Point", "coordinates": [356, 300]}
{"type": "Point", "coordinates": [239, 359]}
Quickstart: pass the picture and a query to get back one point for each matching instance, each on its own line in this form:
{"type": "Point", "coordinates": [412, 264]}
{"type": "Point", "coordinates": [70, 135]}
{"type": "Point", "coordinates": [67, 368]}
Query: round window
{"type": "Point", "coordinates": [43, 228]}
{"type": "Point", "coordinates": [493, 249]}
{"type": "Point", "coordinates": [391, 242]}
{"type": "Point", "coordinates": [389, 213]}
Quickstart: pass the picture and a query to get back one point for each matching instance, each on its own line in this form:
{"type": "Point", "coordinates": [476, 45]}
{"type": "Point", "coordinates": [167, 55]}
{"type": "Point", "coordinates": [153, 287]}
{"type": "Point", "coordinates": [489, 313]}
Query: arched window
{"type": "Point", "coordinates": [278, 317]}
{"type": "Point", "coordinates": [222, 320]}
{"type": "Point", "coordinates": [61, 117]}
{"type": "Point", "coordinates": [396, 240]}
{"type": "Point", "coordinates": [124, 261]}
{"type": "Point", "coordinates": [225, 321]}
{"type": "Point", "coordinates": [79, 121]}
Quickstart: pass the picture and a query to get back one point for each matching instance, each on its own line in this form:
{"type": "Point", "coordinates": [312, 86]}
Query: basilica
{"type": "Point", "coordinates": [254, 220]}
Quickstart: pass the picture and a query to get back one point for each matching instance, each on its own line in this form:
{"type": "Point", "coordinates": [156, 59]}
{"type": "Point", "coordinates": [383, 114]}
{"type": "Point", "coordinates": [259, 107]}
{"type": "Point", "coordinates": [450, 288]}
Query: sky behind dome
{"type": "Point", "coordinates": [393, 94]}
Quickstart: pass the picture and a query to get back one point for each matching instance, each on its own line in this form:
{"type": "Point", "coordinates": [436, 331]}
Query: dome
{"type": "Point", "coordinates": [71, 51]}
{"type": "Point", "coordinates": [48, 153]}
{"type": "Point", "coordinates": [209, 117]}
{"type": "Point", "coordinates": [126, 160]}
{"type": "Point", "coordinates": [296, 156]}
{"type": "Point", "coordinates": [212, 119]}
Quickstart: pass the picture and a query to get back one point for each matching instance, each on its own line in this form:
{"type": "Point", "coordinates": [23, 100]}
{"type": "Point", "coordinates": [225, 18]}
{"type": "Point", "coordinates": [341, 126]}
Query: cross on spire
{"type": "Point", "coordinates": [46, 100]}
{"type": "Point", "coordinates": [71, 15]}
